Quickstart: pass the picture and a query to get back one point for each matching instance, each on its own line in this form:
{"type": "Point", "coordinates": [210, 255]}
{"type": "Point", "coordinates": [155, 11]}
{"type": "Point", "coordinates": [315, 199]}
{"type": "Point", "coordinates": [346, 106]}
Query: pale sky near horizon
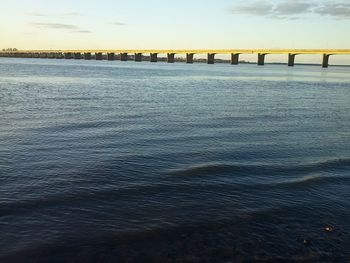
{"type": "Point", "coordinates": [175, 24]}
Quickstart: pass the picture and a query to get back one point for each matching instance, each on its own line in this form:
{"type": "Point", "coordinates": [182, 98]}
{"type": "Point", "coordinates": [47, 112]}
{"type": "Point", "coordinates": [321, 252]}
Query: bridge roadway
{"type": "Point", "coordinates": [153, 53]}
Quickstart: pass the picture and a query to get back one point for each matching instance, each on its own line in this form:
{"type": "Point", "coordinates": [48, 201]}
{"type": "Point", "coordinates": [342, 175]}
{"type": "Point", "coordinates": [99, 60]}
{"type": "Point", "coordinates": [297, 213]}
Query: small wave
{"type": "Point", "coordinates": [75, 126]}
{"type": "Point", "coordinates": [202, 170]}
{"type": "Point", "coordinates": [208, 169]}
{"type": "Point", "coordinates": [308, 181]}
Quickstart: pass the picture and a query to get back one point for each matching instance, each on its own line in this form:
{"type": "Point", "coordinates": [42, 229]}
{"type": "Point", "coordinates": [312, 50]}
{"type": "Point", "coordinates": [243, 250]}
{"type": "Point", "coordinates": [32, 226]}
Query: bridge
{"type": "Point", "coordinates": [123, 54]}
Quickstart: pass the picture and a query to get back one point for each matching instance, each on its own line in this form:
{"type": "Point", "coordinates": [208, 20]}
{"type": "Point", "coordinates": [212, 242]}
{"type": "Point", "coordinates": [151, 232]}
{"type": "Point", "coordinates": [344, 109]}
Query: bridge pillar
{"type": "Point", "coordinates": [211, 58]}
{"type": "Point", "coordinates": [261, 59]}
{"type": "Point", "coordinates": [110, 56]}
{"type": "Point", "coordinates": [98, 56]}
{"type": "Point", "coordinates": [68, 55]}
{"type": "Point", "coordinates": [291, 59]}
{"type": "Point", "coordinates": [87, 56]}
{"type": "Point", "coordinates": [138, 57]}
{"type": "Point", "coordinates": [171, 57]}
{"type": "Point", "coordinates": [59, 55]}
{"type": "Point", "coordinates": [124, 56]}
{"type": "Point", "coordinates": [153, 57]}
{"type": "Point", "coordinates": [189, 58]}
{"type": "Point", "coordinates": [325, 61]}
{"type": "Point", "coordinates": [77, 55]}
{"type": "Point", "coordinates": [51, 55]}
{"type": "Point", "coordinates": [234, 59]}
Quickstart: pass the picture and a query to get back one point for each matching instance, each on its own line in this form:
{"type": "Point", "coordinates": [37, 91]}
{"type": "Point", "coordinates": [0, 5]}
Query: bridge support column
{"type": "Point", "coordinates": [291, 59]}
{"type": "Point", "coordinates": [87, 56]}
{"type": "Point", "coordinates": [261, 59]}
{"type": "Point", "coordinates": [58, 55]}
{"type": "Point", "coordinates": [189, 58]}
{"type": "Point", "coordinates": [153, 57]}
{"type": "Point", "coordinates": [171, 57]}
{"type": "Point", "coordinates": [124, 56]}
{"type": "Point", "coordinates": [68, 55]}
{"type": "Point", "coordinates": [138, 57]}
{"type": "Point", "coordinates": [211, 58]}
{"type": "Point", "coordinates": [325, 61]}
{"type": "Point", "coordinates": [110, 56]}
{"type": "Point", "coordinates": [234, 59]}
{"type": "Point", "coordinates": [98, 56]}
{"type": "Point", "coordinates": [77, 55]}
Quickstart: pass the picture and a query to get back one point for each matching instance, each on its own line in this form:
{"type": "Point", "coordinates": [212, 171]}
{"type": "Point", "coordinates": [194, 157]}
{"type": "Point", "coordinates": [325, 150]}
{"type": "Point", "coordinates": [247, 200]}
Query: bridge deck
{"type": "Point", "coordinates": [194, 51]}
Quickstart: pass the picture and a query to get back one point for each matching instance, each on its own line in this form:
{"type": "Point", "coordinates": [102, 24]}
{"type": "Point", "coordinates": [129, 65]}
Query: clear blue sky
{"type": "Point", "coordinates": [44, 24]}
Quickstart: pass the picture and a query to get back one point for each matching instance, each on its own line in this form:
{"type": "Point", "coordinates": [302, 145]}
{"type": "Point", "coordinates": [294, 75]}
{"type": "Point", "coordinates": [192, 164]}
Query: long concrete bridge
{"type": "Point", "coordinates": [122, 54]}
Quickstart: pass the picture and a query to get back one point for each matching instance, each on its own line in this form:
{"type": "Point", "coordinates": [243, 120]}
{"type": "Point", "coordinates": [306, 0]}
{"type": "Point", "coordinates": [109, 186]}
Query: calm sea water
{"type": "Point", "coordinates": [138, 162]}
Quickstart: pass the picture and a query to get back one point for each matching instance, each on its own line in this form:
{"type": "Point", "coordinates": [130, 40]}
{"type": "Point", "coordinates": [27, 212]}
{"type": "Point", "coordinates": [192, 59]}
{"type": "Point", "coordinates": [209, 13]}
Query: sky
{"type": "Point", "coordinates": [176, 24]}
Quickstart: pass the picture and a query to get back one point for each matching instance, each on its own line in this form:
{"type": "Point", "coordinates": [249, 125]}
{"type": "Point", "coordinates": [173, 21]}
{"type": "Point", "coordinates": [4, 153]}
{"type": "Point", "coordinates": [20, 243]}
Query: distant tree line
{"type": "Point", "coordinates": [9, 49]}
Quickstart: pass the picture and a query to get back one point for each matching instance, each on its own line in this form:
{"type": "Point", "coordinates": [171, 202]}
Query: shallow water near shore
{"type": "Point", "coordinates": [109, 161]}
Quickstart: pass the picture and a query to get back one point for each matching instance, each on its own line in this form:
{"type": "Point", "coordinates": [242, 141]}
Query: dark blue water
{"type": "Point", "coordinates": [140, 162]}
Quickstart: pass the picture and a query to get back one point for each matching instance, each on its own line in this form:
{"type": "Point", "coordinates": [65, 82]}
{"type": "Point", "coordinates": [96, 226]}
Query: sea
{"type": "Point", "coordinates": [110, 161]}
